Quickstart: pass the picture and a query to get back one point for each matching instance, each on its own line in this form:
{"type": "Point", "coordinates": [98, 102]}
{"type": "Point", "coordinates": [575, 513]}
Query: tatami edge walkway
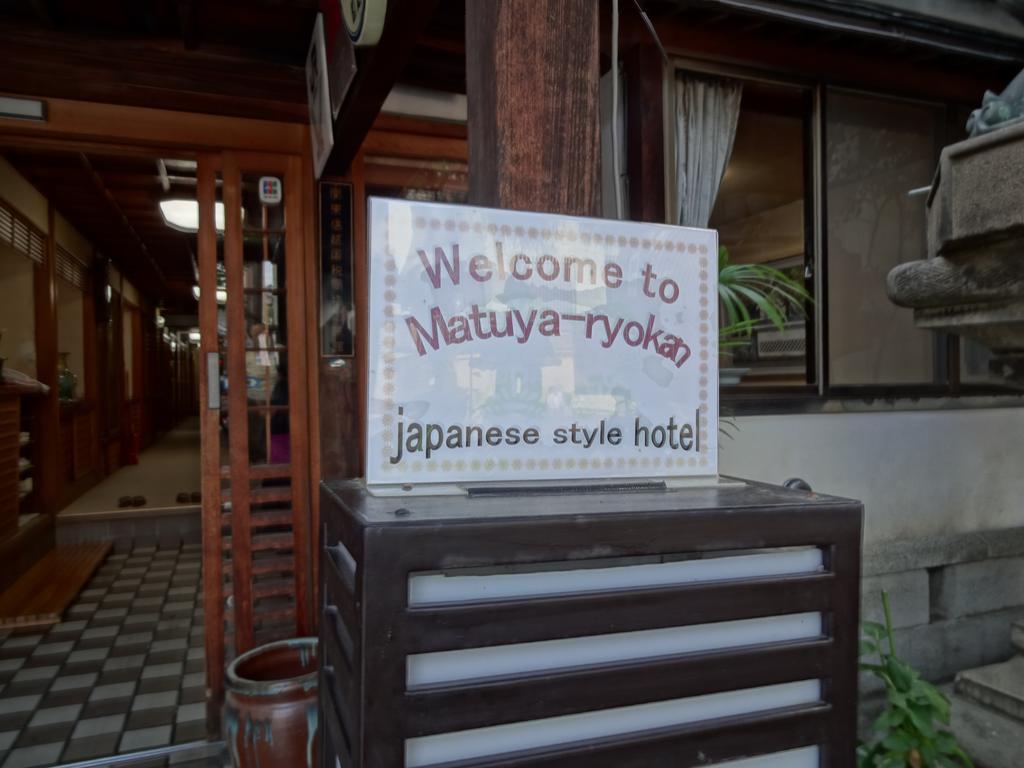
{"type": "Point", "coordinates": [168, 467]}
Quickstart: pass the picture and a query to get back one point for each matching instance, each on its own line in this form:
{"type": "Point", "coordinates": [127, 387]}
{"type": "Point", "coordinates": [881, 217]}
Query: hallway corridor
{"type": "Point", "coordinates": [168, 467]}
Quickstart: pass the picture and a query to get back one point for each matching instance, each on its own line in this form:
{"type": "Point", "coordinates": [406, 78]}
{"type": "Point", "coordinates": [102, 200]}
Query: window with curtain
{"type": "Point", "coordinates": [759, 161]}
{"type": "Point", "coordinates": [760, 211]}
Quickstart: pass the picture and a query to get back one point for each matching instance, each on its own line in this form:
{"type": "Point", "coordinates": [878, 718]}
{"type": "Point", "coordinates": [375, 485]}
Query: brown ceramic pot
{"type": "Point", "coordinates": [270, 706]}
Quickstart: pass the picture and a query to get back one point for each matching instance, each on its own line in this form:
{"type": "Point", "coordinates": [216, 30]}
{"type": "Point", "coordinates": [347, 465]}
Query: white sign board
{"type": "Point", "coordinates": [509, 346]}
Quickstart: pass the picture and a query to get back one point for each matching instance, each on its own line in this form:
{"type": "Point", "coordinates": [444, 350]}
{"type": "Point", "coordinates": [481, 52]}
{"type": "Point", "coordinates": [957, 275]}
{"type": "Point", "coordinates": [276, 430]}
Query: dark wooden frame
{"type": "Point", "coordinates": [321, 187]}
{"type": "Point", "coordinates": [371, 545]}
{"type": "Point", "coordinates": [234, 480]}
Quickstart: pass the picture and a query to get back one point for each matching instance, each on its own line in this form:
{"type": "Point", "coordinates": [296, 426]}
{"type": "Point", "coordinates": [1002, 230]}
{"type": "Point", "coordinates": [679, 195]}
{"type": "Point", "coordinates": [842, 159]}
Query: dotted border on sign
{"type": "Point", "coordinates": [597, 464]}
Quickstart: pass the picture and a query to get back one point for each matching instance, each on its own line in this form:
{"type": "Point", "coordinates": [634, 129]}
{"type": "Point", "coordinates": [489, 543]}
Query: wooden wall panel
{"type": "Point", "coordinates": [209, 417]}
{"type": "Point", "coordinates": [238, 407]}
{"type": "Point", "coordinates": [48, 460]}
{"type": "Point", "coordinates": [84, 460]}
{"type": "Point", "coordinates": [296, 250]}
{"type": "Point", "coordinates": [10, 427]}
{"type": "Point", "coordinates": [534, 106]}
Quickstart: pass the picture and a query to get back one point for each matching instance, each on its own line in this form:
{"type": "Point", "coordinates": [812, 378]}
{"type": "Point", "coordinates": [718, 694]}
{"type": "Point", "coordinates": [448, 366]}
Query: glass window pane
{"type": "Point", "coordinates": [760, 217]}
{"type": "Point", "coordinates": [263, 256]}
{"type": "Point", "coordinates": [880, 157]}
{"type": "Point", "coordinates": [978, 365]}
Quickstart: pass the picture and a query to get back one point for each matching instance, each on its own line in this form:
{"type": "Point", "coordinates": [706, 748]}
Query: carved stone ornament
{"type": "Point", "coordinates": [972, 282]}
{"type": "Point", "coordinates": [998, 109]}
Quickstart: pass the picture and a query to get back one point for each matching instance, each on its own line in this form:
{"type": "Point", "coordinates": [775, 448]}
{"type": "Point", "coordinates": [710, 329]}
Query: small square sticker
{"type": "Point", "coordinates": [270, 190]}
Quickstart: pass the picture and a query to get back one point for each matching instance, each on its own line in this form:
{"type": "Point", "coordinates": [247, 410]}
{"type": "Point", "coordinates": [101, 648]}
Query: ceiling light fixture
{"type": "Point", "coordinates": [22, 109]}
{"type": "Point", "coordinates": [183, 215]}
{"type": "Point", "coordinates": [221, 294]}
{"type": "Point", "coordinates": [165, 181]}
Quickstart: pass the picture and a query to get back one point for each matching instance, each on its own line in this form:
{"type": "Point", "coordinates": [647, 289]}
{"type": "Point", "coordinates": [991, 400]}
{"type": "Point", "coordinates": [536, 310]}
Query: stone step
{"type": "Point", "coordinates": [997, 686]}
{"type": "Point", "coordinates": [1017, 635]}
{"type": "Point", "coordinates": [991, 739]}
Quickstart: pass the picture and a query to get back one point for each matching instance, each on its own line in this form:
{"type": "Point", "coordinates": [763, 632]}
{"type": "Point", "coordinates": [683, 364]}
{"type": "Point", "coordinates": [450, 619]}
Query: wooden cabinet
{"type": "Point", "coordinates": [76, 440]}
{"type": "Point", "coordinates": [10, 451]}
{"type": "Point", "coordinates": [598, 630]}
{"type": "Point", "coordinates": [16, 459]}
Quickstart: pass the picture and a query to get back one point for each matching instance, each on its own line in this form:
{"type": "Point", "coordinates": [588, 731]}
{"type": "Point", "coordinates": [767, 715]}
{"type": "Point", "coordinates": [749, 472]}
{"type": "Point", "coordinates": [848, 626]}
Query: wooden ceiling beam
{"type": "Point", "coordinates": [75, 194]}
{"type": "Point", "coordinates": [833, 61]}
{"type": "Point", "coordinates": [148, 72]}
{"type": "Point", "coordinates": [105, 194]}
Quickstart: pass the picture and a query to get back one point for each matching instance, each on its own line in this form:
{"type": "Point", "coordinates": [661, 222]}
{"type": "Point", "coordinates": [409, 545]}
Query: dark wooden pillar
{"type": "Point", "coordinates": [48, 462]}
{"type": "Point", "coordinates": [645, 151]}
{"type": "Point", "coordinates": [532, 81]}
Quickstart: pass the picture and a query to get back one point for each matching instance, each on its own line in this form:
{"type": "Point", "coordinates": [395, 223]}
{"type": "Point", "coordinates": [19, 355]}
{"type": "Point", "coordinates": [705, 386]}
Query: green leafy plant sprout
{"type": "Point", "coordinates": [909, 731]}
{"type": "Point", "coordinates": [744, 290]}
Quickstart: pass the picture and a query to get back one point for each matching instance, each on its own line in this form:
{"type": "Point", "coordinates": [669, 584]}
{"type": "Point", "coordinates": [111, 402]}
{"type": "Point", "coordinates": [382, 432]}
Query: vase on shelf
{"type": "Point", "coordinates": [66, 380]}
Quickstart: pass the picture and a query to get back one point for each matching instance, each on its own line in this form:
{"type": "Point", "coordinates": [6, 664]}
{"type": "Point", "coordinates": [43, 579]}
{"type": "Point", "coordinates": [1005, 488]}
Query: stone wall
{"type": "Point", "coordinates": [953, 598]}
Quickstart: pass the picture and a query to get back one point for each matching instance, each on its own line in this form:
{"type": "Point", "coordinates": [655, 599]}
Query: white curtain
{"type": "Point", "coordinates": [707, 110]}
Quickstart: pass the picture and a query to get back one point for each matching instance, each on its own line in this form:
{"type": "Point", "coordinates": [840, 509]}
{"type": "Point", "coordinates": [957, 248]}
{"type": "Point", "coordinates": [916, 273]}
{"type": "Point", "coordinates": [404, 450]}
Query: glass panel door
{"type": "Point", "coordinates": [256, 526]}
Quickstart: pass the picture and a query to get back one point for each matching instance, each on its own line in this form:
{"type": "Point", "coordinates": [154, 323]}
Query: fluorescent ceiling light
{"type": "Point", "coordinates": [221, 294]}
{"type": "Point", "coordinates": [183, 215]}
{"type": "Point", "coordinates": [423, 102]}
{"type": "Point", "coordinates": [22, 109]}
{"type": "Point", "coordinates": [179, 165]}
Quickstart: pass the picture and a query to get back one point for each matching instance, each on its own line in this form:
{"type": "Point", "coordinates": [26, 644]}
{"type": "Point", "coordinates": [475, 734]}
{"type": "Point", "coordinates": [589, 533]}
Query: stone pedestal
{"type": "Point", "coordinates": [998, 686]}
{"type": "Point", "coordinates": [972, 283]}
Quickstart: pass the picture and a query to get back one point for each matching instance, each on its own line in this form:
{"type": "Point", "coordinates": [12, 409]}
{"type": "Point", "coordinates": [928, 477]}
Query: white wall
{"type": "Point", "coordinates": [17, 313]}
{"type": "Point", "coordinates": [22, 195]}
{"type": "Point", "coordinates": [70, 238]}
{"type": "Point", "coordinates": [918, 473]}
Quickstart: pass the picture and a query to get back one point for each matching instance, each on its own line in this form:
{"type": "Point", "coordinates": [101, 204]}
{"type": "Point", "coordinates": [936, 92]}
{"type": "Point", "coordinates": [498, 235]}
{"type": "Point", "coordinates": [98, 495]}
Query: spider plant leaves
{"type": "Point", "coordinates": [749, 294]}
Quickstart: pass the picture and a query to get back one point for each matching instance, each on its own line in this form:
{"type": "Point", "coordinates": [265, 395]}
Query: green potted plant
{"type": "Point", "coordinates": [913, 729]}
{"type": "Point", "coordinates": [749, 294]}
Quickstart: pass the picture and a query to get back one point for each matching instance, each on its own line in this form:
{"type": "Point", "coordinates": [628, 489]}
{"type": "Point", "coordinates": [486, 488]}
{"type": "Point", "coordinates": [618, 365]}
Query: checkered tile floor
{"type": "Point", "coordinates": [123, 672]}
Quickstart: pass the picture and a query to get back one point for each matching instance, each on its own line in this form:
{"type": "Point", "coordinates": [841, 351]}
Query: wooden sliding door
{"type": "Point", "coordinates": [256, 484]}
